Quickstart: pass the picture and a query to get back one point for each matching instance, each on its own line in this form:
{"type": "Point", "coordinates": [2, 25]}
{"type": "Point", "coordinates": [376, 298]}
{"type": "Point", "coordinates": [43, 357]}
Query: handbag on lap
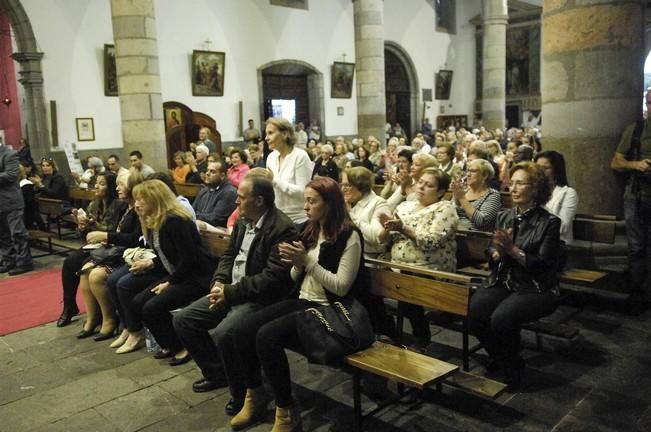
{"type": "Point", "coordinates": [329, 333]}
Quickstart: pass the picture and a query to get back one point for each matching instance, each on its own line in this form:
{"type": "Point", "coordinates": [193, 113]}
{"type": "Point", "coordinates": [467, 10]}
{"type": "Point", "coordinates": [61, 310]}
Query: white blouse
{"type": "Point", "coordinates": [563, 204]}
{"type": "Point", "coordinates": [290, 177]}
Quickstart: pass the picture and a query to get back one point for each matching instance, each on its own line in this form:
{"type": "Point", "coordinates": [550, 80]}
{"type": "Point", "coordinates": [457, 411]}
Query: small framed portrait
{"type": "Point", "coordinates": [173, 118]}
{"type": "Point", "coordinates": [208, 73]}
{"type": "Point", "coordinates": [443, 84]}
{"type": "Point", "coordinates": [85, 129]}
{"type": "Point", "coordinates": [341, 85]}
{"type": "Point", "coordinates": [110, 72]}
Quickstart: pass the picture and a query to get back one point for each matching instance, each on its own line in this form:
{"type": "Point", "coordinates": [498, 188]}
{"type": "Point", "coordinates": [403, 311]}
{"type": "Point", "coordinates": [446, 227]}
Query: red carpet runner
{"type": "Point", "coordinates": [30, 300]}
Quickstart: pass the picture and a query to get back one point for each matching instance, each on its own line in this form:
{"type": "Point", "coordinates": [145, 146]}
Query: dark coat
{"type": "Point", "coordinates": [267, 278]}
{"type": "Point", "coordinates": [10, 196]}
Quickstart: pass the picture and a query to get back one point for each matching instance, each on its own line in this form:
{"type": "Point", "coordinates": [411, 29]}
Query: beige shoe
{"type": "Point", "coordinates": [253, 410]}
{"type": "Point", "coordinates": [120, 340]}
{"type": "Point", "coordinates": [287, 420]}
{"type": "Point", "coordinates": [133, 343]}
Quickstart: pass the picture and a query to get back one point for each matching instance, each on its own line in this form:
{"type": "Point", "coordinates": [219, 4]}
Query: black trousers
{"type": "Point", "coordinates": [496, 315]}
{"type": "Point", "coordinates": [208, 336]}
{"type": "Point", "coordinates": [261, 339]}
{"type": "Point", "coordinates": [127, 288]}
{"type": "Point", "coordinates": [156, 309]}
{"type": "Point", "coordinates": [70, 279]}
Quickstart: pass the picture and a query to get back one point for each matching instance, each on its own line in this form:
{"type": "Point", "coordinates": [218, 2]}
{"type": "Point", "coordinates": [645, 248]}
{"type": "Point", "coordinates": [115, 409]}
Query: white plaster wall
{"type": "Point", "coordinates": [72, 34]}
{"type": "Point", "coordinates": [411, 24]}
{"type": "Point", "coordinates": [252, 33]}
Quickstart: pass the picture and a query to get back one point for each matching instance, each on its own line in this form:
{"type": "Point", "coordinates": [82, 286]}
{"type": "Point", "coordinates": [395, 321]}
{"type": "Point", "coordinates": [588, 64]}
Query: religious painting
{"type": "Point", "coordinates": [208, 73]}
{"type": "Point", "coordinates": [517, 61]}
{"type": "Point", "coordinates": [173, 118]}
{"type": "Point", "coordinates": [110, 72]}
{"type": "Point", "coordinates": [341, 85]}
{"type": "Point", "coordinates": [443, 84]}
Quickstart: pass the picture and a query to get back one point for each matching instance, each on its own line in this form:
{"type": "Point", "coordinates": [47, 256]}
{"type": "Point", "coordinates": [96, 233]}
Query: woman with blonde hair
{"type": "Point", "coordinates": [182, 261]}
{"type": "Point", "coordinates": [182, 169]}
{"type": "Point", "coordinates": [291, 168]}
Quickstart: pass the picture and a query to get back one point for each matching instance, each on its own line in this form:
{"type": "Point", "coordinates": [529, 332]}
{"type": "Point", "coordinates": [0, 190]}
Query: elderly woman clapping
{"type": "Point", "coordinates": [477, 204]}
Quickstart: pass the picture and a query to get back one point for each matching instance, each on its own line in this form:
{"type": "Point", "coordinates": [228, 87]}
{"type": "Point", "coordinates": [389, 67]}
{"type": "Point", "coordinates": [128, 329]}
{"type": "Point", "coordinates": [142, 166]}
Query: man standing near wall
{"type": "Point", "coordinates": [204, 138]}
{"type": "Point", "coordinates": [15, 257]}
{"type": "Point", "coordinates": [251, 135]}
{"type": "Point", "coordinates": [633, 157]}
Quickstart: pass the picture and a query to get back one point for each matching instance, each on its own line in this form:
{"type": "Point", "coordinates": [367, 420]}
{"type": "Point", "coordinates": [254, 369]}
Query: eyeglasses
{"type": "Point", "coordinates": [46, 159]}
{"type": "Point", "coordinates": [519, 184]}
{"type": "Point", "coordinates": [346, 186]}
{"type": "Point", "coordinates": [473, 170]}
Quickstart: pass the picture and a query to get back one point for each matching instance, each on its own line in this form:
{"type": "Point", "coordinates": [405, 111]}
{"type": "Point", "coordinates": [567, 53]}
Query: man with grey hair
{"type": "Point", "coordinates": [201, 156]}
{"type": "Point", "coordinates": [15, 257]}
{"type": "Point", "coordinates": [250, 276]}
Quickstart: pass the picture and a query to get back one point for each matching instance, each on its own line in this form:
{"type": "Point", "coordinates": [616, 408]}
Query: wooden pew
{"type": "Point", "coordinates": [53, 209]}
{"type": "Point", "coordinates": [447, 292]}
{"type": "Point", "coordinates": [188, 190]}
{"type": "Point", "coordinates": [217, 242]}
{"type": "Point", "coordinates": [84, 195]}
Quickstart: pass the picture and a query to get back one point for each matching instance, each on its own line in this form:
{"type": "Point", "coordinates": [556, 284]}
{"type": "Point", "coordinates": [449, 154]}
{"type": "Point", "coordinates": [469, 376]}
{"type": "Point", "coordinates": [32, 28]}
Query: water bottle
{"type": "Point", "coordinates": [150, 342]}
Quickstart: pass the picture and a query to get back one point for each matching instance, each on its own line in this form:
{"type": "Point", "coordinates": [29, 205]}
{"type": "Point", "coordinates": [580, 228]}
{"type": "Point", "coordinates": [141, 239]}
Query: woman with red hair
{"type": "Point", "coordinates": [325, 266]}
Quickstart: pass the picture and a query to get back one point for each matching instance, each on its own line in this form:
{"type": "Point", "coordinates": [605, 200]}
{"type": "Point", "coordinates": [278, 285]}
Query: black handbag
{"type": "Point", "coordinates": [107, 255]}
{"type": "Point", "coordinates": [329, 333]}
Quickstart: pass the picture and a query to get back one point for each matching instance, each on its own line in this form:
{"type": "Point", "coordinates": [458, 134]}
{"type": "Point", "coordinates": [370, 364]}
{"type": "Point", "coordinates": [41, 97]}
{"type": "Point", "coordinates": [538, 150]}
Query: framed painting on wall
{"type": "Point", "coordinates": [208, 73]}
{"type": "Point", "coordinates": [443, 84]}
{"type": "Point", "coordinates": [173, 118]}
{"type": "Point", "coordinates": [341, 85]}
{"type": "Point", "coordinates": [110, 72]}
{"type": "Point", "coordinates": [85, 129]}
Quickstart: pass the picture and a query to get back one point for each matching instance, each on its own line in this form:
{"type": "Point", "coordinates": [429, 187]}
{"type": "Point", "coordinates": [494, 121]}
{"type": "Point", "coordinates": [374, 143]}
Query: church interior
{"type": "Point", "coordinates": [109, 77]}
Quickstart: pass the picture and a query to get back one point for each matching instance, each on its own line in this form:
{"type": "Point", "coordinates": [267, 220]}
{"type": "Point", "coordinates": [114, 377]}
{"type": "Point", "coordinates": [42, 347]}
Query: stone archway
{"type": "Point", "coordinates": [293, 77]}
{"type": "Point", "coordinates": [31, 75]}
{"type": "Point", "coordinates": [406, 92]}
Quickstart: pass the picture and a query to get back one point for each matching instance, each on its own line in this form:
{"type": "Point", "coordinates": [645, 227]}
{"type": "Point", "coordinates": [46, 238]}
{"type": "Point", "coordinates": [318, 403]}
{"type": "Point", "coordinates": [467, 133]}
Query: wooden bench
{"type": "Point", "coordinates": [447, 292]}
{"type": "Point", "coordinates": [79, 194]}
{"type": "Point", "coordinates": [188, 190]}
{"type": "Point", "coordinates": [42, 236]}
{"type": "Point", "coordinates": [217, 242]}
{"type": "Point", "coordinates": [54, 209]}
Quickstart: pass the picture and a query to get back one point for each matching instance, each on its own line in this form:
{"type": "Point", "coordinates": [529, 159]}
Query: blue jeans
{"type": "Point", "coordinates": [637, 214]}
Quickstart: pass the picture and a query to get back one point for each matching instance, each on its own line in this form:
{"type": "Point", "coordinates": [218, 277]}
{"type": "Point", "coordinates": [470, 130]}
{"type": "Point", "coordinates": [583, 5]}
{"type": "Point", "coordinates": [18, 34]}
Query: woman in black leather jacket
{"type": "Point", "coordinates": [523, 285]}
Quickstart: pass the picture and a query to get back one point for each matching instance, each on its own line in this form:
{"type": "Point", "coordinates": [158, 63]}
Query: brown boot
{"type": "Point", "coordinates": [253, 410]}
{"type": "Point", "coordinates": [287, 420]}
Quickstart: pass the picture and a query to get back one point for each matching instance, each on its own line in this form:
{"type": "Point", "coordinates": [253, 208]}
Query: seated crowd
{"type": "Point", "coordinates": [302, 217]}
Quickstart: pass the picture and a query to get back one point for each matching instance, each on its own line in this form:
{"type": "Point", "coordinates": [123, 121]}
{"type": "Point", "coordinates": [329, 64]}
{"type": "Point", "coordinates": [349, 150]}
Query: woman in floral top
{"type": "Point", "coordinates": [423, 235]}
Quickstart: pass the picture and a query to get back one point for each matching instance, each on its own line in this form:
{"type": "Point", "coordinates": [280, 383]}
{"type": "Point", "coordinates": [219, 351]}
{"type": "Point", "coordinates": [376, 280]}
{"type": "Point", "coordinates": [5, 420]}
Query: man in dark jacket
{"type": "Point", "coordinates": [15, 257]}
{"type": "Point", "coordinates": [215, 203]}
{"type": "Point", "coordinates": [250, 276]}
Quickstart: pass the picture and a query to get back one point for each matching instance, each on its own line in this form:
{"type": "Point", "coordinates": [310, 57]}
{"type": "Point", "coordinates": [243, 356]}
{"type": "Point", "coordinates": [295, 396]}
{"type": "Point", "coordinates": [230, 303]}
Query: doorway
{"type": "Point", "coordinates": [401, 89]}
{"type": "Point", "coordinates": [293, 89]}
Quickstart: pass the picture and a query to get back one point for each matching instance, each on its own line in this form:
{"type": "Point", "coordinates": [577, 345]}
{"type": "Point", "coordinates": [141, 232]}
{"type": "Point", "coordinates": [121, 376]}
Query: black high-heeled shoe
{"type": "Point", "coordinates": [66, 316]}
{"type": "Point", "coordinates": [105, 336]}
{"type": "Point", "coordinates": [83, 334]}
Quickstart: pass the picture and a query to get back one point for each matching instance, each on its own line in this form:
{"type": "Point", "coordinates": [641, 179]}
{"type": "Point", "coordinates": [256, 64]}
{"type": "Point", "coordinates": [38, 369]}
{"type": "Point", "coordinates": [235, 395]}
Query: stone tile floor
{"type": "Point", "coordinates": [51, 381]}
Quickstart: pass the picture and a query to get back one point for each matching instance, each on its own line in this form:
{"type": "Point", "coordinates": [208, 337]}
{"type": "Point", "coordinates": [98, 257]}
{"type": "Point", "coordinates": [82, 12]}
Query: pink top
{"type": "Point", "coordinates": [236, 173]}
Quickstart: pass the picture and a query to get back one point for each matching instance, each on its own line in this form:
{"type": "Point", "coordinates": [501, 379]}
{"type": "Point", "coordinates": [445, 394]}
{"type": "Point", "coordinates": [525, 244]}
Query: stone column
{"type": "Point", "coordinates": [494, 20]}
{"type": "Point", "coordinates": [31, 77]}
{"type": "Point", "coordinates": [369, 65]}
{"type": "Point", "coordinates": [136, 58]}
{"type": "Point", "coordinates": [592, 84]}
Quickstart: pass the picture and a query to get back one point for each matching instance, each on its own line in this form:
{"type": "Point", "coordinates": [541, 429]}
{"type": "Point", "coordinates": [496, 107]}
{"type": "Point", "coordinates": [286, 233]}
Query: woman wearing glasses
{"type": "Point", "coordinates": [523, 285]}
